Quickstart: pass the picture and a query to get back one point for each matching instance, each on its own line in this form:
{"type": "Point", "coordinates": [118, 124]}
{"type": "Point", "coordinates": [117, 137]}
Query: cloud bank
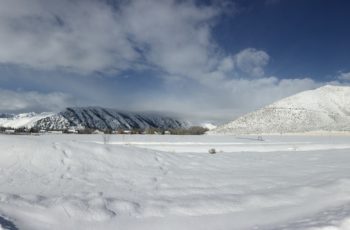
{"type": "Point", "coordinates": [17, 101]}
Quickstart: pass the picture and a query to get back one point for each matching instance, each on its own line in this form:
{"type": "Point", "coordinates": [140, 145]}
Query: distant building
{"type": "Point", "coordinates": [127, 131]}
{"type": "Point", "coordinates": [55, 132]}
{"type": "Point", "coordinates": [97, 132]}
{"type": "Point", "coordinates": [72, 130]}
{"type": "Point", "coordinates": [9, 131]}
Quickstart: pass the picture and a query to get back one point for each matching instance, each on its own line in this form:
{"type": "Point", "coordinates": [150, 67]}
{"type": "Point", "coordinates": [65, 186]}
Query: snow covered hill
{"type": "Point", "coordinates": [27, 120]}
{"type": "Point", "coordinates": [323, 109]}
{"type": "Point", "coordinates": [90, 117]}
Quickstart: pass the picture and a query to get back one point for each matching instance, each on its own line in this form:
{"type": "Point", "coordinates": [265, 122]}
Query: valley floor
{"type": "Point", "coordinates": [73, 182]}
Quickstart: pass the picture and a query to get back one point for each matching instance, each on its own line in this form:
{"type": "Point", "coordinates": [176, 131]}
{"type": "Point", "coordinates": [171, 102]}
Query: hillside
{"type": "Point", "coordinates": [323, 109]}
{"type": "Point", "coordinates": [26, 120]}
{"type": "Point", "coordinates": [90, 117]}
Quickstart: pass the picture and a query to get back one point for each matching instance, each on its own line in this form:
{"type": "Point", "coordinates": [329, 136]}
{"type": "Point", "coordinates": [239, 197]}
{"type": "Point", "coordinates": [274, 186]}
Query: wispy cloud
{"type": "Point", "coordinates": [251, 62]}
{"type": "Point", "coordinates": [16, 101]}
{"type": "Point", "coordinates": [344, 76]}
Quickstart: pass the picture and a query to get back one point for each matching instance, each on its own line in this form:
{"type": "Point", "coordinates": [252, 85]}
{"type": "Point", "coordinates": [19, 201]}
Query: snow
{"type": "Point", "coordinates": [90, 117]}
{"type": "Point", "coordinates": [208, 126]}
{"type": "Point", "coordinates": [326, 98]}
{"type": "Point", "coordinates": [172, 182]}
{"type": "Point", "coordinates": [106, 118]}
{"type": "Point", "coordinates": [323, 109]}
{"type": "Point", "coordinates": [26, 120]}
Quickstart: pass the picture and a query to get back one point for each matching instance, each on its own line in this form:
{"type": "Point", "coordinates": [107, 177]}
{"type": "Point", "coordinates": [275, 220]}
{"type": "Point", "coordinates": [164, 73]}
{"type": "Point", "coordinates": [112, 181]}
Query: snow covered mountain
{"type": "Point", "coordinates": [103, 118]}
{"type": "Point", "coordinates": [27, 120]}
{"type": "Point", "coordinates": [90, 117]}
{"type": "Point", "coordinates": [323, 109]}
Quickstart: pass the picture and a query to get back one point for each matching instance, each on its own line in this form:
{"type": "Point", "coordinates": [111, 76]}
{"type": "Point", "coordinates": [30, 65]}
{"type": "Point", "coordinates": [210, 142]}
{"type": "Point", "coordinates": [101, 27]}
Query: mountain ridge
{"type": "Point", "coordinates": [93, 117]}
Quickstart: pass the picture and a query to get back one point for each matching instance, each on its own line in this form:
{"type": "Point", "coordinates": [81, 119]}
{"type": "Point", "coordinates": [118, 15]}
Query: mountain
{"type": "Point", "coordinates": [27, 120]}
{"type": "Point", "coordinates": [323, 109]}
{"type": "Point", "coordinates": [91, 117]}
{"type": "Point", "coordinates": [103, 118]}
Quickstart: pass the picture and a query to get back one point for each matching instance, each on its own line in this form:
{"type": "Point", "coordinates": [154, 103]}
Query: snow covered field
{"type": "Point", "coordinates": [74, 182]}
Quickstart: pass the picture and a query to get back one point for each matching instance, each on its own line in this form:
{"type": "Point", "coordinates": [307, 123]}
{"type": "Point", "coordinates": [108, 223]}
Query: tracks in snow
{"type": "Point", "coordinates": [65, 161]}
{"type": "Point", "coordinates": [163, 167]}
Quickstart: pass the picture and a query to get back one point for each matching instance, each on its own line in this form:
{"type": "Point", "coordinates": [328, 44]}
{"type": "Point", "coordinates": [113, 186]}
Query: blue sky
{"type": "Point", "coordinates": [205, 60]}
{"type": "Point", "coordinates": [302, 37]}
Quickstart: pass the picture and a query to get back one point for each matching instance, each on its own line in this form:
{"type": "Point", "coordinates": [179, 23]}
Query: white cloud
{"type": "Point", "coordinates": [82, 36]}
{"type": "Point", "coordinates": [15, 101]}
{"type": "Point", "coordinates": [344, 76]}
{"type": "Point", "coordinates": [175, 36]}
{"type": "Point", "coordinates": [252, 62]}
{"type": "Point", "coordinates": [169, 36]}
{"type": "Point", "coordinates": [91, 35]}
{"type": "Point", "coordinates": [227, 65]}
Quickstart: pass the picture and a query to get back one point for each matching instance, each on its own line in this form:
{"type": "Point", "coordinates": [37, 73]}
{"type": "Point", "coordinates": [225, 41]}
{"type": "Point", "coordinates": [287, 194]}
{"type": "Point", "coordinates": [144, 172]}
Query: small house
{"type": "Point", "coordinates": [72, 130]}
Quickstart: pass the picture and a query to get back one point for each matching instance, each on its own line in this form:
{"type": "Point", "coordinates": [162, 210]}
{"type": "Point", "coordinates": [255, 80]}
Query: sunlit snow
{"type": "Point", "coordinates": [55, 182]}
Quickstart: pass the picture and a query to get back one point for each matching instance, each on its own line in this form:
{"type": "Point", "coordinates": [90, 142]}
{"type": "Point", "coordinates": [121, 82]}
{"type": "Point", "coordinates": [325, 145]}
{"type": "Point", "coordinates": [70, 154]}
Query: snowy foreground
{"type": "Point", "coordinates": [74, 182]}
